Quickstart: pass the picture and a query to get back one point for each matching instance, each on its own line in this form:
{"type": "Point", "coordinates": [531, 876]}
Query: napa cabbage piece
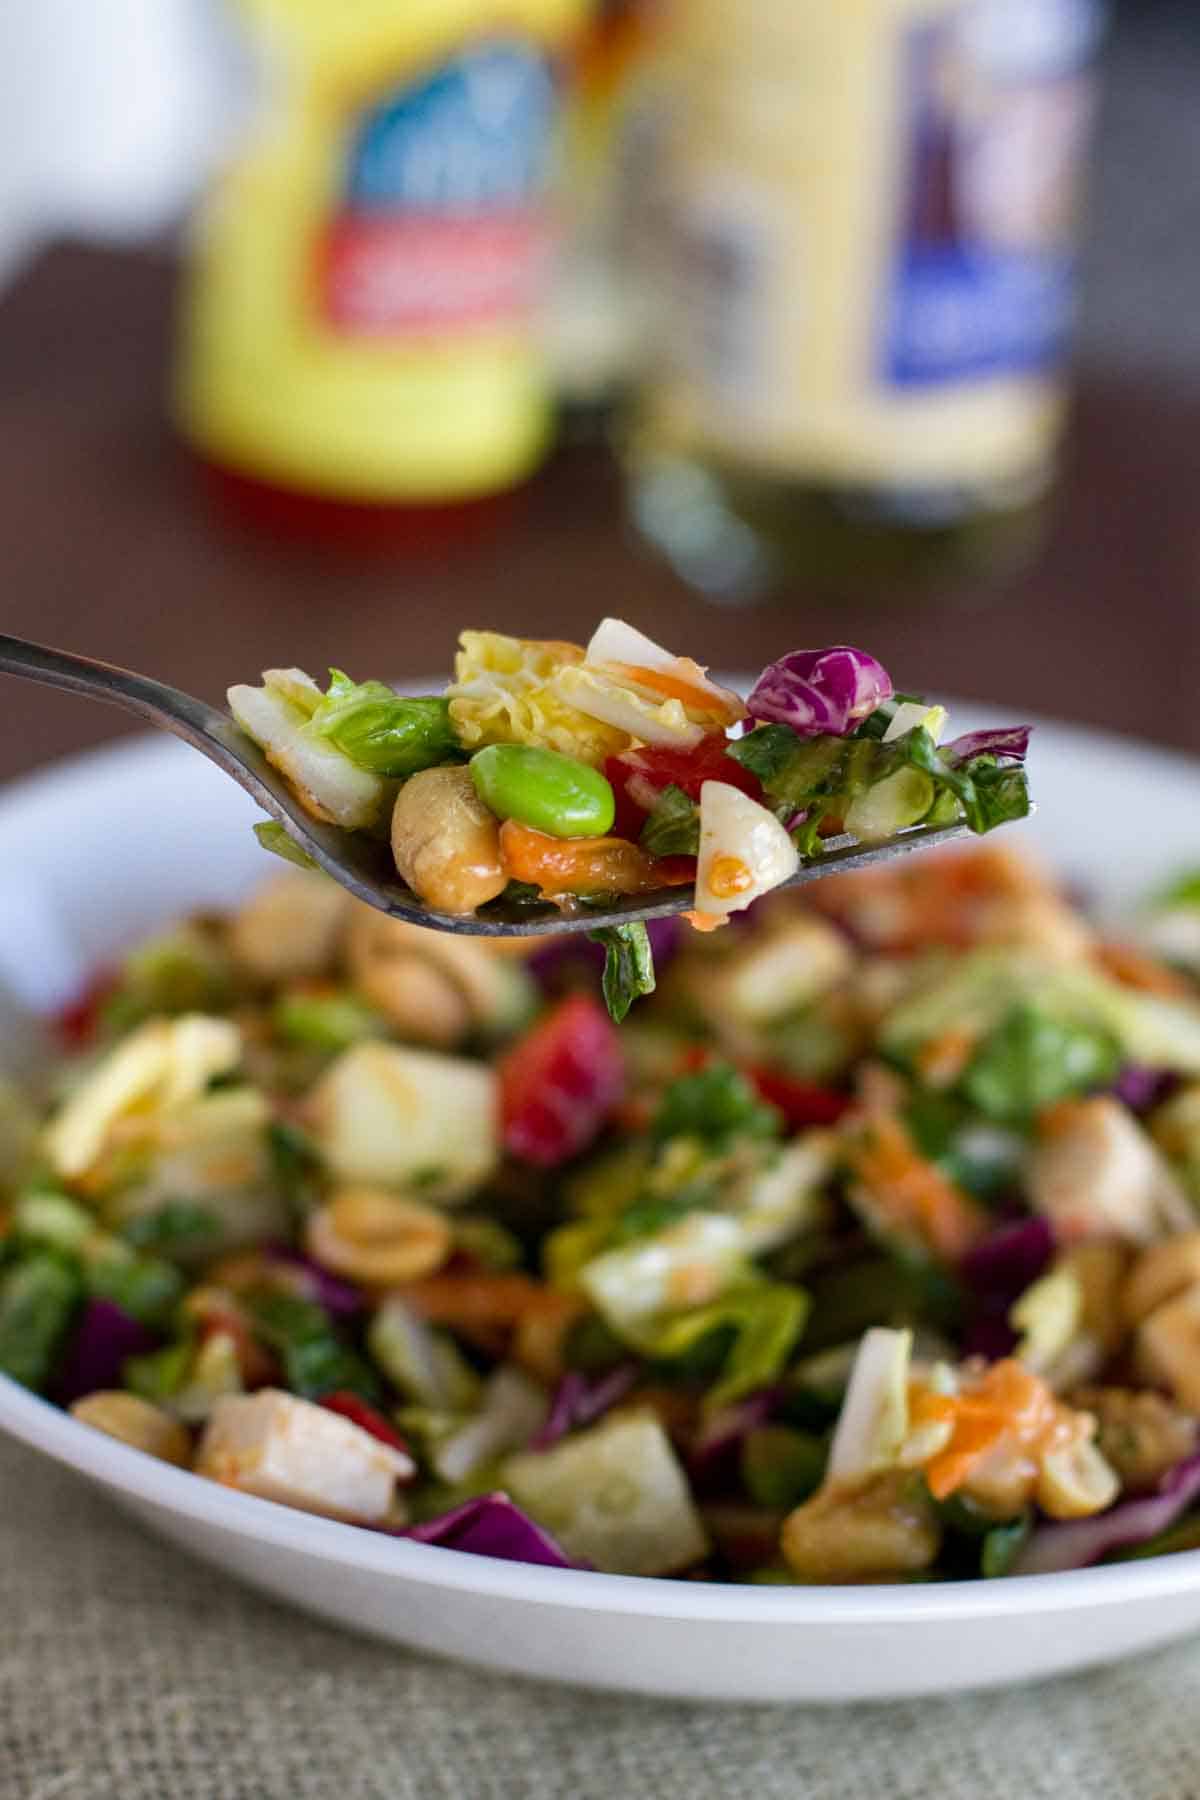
{"type": "Point", "coordinates": [279, 717]}
{"type": "Point", "coordinates": [512, 1410]}
{"type": "Point", "coordinates": [973, 994]}
{"type": "Point", "coordinates": [407, 1119]}
{"type": "Point", "coordinates": [213, 1156]}
{"type": "Point", "coordinates": [425, 1365]}
{"type": "Point", "coordinates": [873, 1423]}
{"type": "Point", "coordinates": [689, 1262]}
{"type": "Point", "coordinates": [162, 1067]}
{"type": "Point", "coordinates": [614, 1496]}
{"type": "Point", "coordinates": [505, 692]}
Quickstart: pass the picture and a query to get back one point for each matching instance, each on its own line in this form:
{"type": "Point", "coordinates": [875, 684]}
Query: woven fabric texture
{"type": "Point", "coordinates": [129, 1673]}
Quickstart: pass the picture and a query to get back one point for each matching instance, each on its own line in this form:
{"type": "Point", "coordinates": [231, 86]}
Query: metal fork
{"type": "Point", "coordinates": [361, 863]}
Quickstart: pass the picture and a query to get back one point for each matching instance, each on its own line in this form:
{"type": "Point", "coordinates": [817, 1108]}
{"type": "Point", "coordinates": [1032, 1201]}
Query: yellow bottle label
{"type": "Point", "coordinates": [874, 272]}
{"type": "Point", "coordinates": [360, 319]}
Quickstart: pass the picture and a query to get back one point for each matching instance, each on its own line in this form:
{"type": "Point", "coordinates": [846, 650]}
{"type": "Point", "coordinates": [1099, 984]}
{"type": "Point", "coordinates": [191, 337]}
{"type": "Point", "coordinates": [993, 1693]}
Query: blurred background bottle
{"type": "Point", "coordinates": [595, 320]}
{"type": "Point", "coordinates": [359, 332]}
{"type": "Point", "coordinates": [859, 363]}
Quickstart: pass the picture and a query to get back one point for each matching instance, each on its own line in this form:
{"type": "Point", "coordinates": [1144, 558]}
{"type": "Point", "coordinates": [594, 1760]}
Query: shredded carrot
{"type": "Point", "coordinates": [942, 1060]}
{"type": "Point", "coordinates": [676, 687]}
{"type": "Point", "coordinates": [913, 1191]}
{"type": "Point", "coordinates": [593, 865]}
{"type": "Point", "coordinates": [1008, 1402]}
{"type": "Point", "coordinates": [1134, 969]}
{"type": "Point", "coordinates": [479, 1299]}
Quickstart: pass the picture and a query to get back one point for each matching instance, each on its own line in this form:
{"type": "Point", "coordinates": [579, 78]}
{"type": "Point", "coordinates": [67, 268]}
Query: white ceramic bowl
{"type": "Point", "coordinates": [101, 848]}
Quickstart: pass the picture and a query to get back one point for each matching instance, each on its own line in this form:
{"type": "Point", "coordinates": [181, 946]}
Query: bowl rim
{"type": "Point", "coordinates": [131, 1473]}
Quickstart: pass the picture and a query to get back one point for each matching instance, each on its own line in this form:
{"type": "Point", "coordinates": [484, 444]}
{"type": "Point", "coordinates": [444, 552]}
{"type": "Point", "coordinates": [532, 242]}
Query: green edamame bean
{"type": "Point", "coordinates": [552, 793]}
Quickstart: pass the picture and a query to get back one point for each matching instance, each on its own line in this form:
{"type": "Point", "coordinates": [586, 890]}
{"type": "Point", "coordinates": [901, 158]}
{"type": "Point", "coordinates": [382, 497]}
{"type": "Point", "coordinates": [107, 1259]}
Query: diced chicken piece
{"type": "Point", "coordinates": [400, 1118]}
{"type": "Point", "coordinates": [290, 929]}
{"type": "Point", "coordinates": [282, 1448]}
{"type": "Point", "coordinates": [1095, 1173]}
{"type": "Point", "coordinates": [1160, 1273]}
{"type": "Point", "coordinates": [614, 1496]}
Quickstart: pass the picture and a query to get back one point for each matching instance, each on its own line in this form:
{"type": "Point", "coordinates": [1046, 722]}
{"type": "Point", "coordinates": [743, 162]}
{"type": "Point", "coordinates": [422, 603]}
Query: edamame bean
{"type": "Point", "coordinates": [552, 793]}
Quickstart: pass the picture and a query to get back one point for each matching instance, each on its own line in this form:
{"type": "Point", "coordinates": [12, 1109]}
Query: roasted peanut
{"type": "Point", "coordinates": [1139, 1433]}
{"type": "Point", "coordinates": [135, 1421]}
{"type": "Point", "coordinates": [377, 1238]}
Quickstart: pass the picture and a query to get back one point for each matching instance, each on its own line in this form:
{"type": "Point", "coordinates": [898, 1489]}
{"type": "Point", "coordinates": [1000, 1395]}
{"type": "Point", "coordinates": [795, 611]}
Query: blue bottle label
{"type": "Point", "coordinates": [997, 104]}
{"type": "Point", "coordinates": [440, 224]}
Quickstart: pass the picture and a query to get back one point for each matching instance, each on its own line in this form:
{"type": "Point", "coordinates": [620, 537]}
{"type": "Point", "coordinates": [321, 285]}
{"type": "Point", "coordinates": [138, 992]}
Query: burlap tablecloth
{"type": "Point", "coordinates": [129, 1673]}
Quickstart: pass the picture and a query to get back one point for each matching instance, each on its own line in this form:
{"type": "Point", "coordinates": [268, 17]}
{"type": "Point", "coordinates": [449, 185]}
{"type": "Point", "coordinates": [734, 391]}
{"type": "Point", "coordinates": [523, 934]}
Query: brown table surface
{"type": "Point", "coordinates": [111, 549]}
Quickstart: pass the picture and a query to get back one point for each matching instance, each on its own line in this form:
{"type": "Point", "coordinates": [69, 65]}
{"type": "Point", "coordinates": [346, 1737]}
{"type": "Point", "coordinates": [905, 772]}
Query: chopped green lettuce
{"type": "Point", "coordinates": [628, 965]}
{"type": "Point", "coordinates": [763, 1321]}
{"type": "Point", "coordinates": [384, 732]}
{"type": "Point", "coordinates": [871, 784]}
{"type": "Point", "coordinates": [275, 838]}
{"type": "Point", "coordinates": [716, 1104]}
{"type": "Point", "coordinates": [1032, 1059]}
{"type": "Point", "coordinates": [673, 828]}
{"type": "Point", "coordinates": [315, 1360]}
{"type": "Point", "coordinates": [329, 1022]}
{"type": "Point", "coordinates": [39, 1295]}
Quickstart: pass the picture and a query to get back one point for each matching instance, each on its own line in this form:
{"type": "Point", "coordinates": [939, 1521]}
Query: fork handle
{"type": "Point", "coordinates": [167, 707]}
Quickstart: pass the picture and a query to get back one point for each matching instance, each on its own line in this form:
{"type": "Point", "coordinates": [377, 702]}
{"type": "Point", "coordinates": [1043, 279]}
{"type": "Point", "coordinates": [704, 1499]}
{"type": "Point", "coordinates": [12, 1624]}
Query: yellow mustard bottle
{"type": "Point", "coordinates": [359, 319]}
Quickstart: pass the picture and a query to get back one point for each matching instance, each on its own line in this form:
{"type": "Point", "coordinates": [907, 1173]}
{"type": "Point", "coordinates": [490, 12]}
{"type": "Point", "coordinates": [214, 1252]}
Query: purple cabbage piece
{"type": "Point", "coordinates": [820, 691]}
{"type": "Point", "coordinates": [1011, 741]}
{"type": "Point", "coordinates": [103, 1339]}
{"type": "Point", "coordinates": [716, 1448]}
{"type": "Point", "coordinates": [996, 1273]}
{"type": "Point", "coordinates": [578, 1402]}
{"type": "Point", "coordinates": [1142, 1089]}
{"type": "Point", "coordinates": [1008, 1259]}
{"type": "Point", "coordinates": [341, 1299]}
{"type": "Point", "coordinates": [492, 1525]}
{"type": "Point", "coordinates": [1082, 1542]}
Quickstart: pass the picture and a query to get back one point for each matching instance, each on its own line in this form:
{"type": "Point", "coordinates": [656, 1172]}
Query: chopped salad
{"type": "Point", "coordinates": [867, 1251]}
{"type": "Point", "coordinates": [553, 774]}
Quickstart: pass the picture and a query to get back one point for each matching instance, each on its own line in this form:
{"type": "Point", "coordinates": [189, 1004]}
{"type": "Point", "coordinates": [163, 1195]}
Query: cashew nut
{"type": "Point", "coordinates": [884, 1527]}
{"type": "Point", "coordinates": [445, 841]}
{"type": "Point", "coordinates": [289, 929]}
